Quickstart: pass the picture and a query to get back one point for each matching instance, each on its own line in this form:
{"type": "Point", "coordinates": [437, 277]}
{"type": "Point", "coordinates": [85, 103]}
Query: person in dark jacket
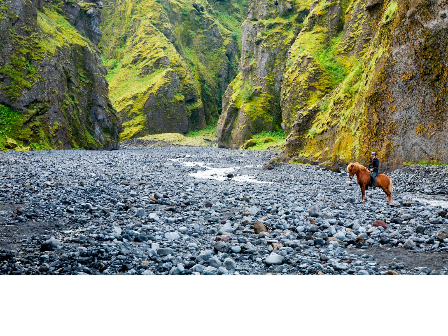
{"type": "Point", "coordinates": [374, 168]}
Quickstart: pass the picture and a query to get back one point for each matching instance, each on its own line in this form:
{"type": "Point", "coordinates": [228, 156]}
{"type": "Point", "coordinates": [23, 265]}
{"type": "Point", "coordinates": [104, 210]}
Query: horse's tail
{"type": "Point", "coordinates": [390, 187]}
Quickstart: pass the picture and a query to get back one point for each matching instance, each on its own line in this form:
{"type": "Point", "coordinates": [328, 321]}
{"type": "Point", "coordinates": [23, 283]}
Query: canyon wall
{"type": "Point", "coordinates": [53, 90]}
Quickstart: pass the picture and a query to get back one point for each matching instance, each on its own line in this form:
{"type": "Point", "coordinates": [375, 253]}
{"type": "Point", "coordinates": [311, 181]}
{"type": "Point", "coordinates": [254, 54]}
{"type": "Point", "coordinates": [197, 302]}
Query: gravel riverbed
{"type": "Point", "coordinates": [186, 210]}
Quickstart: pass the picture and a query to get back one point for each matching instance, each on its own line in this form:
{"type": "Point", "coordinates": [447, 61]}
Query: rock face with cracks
{"type": "Point", "coordinates": [53, 91]}
{"type": "Point", "coordinates": [343, 78]}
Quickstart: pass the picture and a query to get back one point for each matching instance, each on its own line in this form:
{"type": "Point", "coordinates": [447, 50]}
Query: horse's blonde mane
{"type": "Point", "coordinates": [356, 166]}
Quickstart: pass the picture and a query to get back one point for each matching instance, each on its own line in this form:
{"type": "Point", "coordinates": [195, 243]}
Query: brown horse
{"type": "Point", "coordinates": [363, 179]}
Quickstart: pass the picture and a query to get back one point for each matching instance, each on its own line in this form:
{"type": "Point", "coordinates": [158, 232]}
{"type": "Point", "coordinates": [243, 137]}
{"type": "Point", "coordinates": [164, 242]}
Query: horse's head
{"type": "Point", "coordinates": [352, 169]}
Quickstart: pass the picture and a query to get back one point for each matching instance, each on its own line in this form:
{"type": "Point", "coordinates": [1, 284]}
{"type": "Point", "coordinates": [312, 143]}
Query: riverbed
{"type": "Point", "coordinates": [191, 210]}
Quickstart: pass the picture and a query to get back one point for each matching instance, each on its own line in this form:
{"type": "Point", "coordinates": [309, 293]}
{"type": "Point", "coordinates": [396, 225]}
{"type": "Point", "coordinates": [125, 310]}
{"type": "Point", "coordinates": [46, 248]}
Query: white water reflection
{"type": "Point", "coordinates": [219, 174]}
{"type": "Point", "coordinates": [434, 202]}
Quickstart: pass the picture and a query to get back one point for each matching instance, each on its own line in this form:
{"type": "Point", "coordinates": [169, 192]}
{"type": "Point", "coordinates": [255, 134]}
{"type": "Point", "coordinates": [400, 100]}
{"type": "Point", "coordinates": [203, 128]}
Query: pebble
{"type": "Point", "coordinates": [165, 251]}
{"type": "Point", "coordinates": [172, 235]}
{"type": "Point", "coordinates": [379, 223]}
{"type": "Point", "coordinates": [274, 259]}
{"type": "Point", "coordinates": [409, 244]}
{"type": "Point", "coordinates": [229, 264]}
{"type": "Point", "coordinates": [140, 213]}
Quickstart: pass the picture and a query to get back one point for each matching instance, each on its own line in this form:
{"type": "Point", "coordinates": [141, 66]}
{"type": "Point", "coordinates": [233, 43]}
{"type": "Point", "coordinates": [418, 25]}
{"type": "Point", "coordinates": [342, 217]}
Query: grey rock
{"type": "Point", "coordinates": [274, 259]}
{"type": "Point", "coordinates": [236, 248]}
{"type": "Point", "coordinates": [363, 272]}
{"type": "Point", "coordinates": [198, 268]}
{"type": "Point", "coordinates": [420, 229]}
{"type": "Point", "coordinates": [215, 262]}
{"type": "Point", "coordinates": [314, 211]}
{"type": "Point", "coordinates": [140, 213]}
{"type": "Point", "coordinates": [409, 244]}
{"type": "Point", "coordinates": [165, 251]}
{"type": "Point", "coordinates": [172, 235]}
{"type": "Point", "coordinates": [222, 271]}
{"type": "Point", "coordinates": [179, 269]}
{"type": "Point", "coordinates": [340, 235]}
{"type": "Point", "coordinates": [229, 264]}
{"type": "Point", "coordinates": [50, 245]}
{"type": "Point", "coordinates": [204, 256]}
{"type": "Point", "coordinates": [221, 246]}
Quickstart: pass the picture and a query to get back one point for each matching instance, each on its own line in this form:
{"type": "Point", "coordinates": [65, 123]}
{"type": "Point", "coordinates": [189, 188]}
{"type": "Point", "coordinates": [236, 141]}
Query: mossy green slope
{"type": "Point", "coordinates": [393, 99]}
{"type": "Point", "coordinates": [251, 103]}
{"type": "Point", "coordinates": [169, 61]}
{"type": "Point", "coordinates": [53, 92]}
{"type": "Point", "coordinates": [357, 76]}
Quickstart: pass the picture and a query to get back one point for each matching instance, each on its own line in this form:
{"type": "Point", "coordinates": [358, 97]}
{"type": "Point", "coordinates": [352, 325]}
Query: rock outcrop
{"type": "Point", "coordinates": [393, 98]}
{"type": "Point", "coordinates": [53, 91]}
{"type": "Point", "coordinates": [354, 76]}
{"type": "Point", "coordinates": [170, 61]}
{"type": "Point", "coordinates": [251, 103]}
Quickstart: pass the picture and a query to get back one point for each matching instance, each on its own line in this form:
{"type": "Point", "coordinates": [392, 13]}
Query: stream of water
{"type": "Point", "coordinates": [219, 174]}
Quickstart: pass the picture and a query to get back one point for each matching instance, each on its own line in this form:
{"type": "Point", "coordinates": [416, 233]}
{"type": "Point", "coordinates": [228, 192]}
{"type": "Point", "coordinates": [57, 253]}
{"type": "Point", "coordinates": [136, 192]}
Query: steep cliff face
{"type": "Point", "coordinates": [394, 100]}
{"type": "Point", "coordinates": [251, 103]}
{"type": "Point", "coordinates": [53, 91]}
{"type": "Point", "coordinates": [170, 61]}
{"type": "Point", "coordinates": [360, 75]}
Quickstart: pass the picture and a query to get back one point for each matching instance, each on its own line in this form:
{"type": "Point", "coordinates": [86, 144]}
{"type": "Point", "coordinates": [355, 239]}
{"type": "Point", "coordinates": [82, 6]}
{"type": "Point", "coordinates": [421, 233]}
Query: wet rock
{"type": "Point", "coordinates": [165, 251]}
{"type": "Point", "coordinates": [141, 238]}
{"type": "Point", "coordinates": [50, 245]}
{"type": "Point", "coordinates": [396, 220]}
{"type": "Point", "coordinates": [420, 229]}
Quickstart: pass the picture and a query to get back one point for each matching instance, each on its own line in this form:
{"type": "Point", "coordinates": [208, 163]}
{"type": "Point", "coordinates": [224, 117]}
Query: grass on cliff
{"type": "Point", "coordinates": [14, 136]}
{"type": "Point", "coordinates": [425, 163]}
{"type": "Point", "coordinates": [8, 120]}
{"type": "Point", "coordinates": [142, 61]}
{"type": "Point", "coordinates": [267, 140]}
{"type": "Point", "coordinates": [203, 138]}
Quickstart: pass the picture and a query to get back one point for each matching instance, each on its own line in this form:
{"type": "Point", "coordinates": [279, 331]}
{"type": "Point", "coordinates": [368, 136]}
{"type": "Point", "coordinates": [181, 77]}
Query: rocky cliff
{"type": "Point", "coordinates": [351, 76]}
{"type": "Point", "coordinates": [170, 61]}
{"type": "Point", "coordinates": [251, 103]}
{"type": "Point", "coordinates": [53, 91]}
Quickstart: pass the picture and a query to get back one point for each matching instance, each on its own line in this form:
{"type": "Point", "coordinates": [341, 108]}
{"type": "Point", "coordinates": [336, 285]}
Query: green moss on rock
{"type": "Point", "coordinates": [160, 51]}
{"type": "Point", "coordinates": [53, 92]}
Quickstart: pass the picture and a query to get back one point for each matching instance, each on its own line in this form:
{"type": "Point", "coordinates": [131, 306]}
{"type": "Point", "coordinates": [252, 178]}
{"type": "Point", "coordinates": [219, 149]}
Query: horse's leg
{"type": "Point", "coordinates": [388, 194]}
{"type": "Point", "coordinates": [386, 188]}
{"type": "Point", "coordinates": [363, 192]}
